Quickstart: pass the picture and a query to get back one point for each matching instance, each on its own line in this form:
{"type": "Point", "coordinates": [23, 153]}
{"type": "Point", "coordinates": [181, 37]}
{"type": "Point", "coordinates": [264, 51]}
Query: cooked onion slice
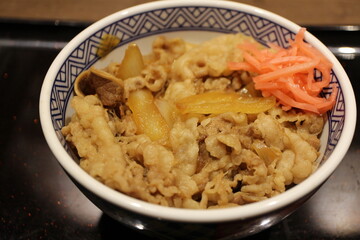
{"type": "Point", "coordinates": [221, 102]}
{"type": "Point", "coordinates": [146, 115]}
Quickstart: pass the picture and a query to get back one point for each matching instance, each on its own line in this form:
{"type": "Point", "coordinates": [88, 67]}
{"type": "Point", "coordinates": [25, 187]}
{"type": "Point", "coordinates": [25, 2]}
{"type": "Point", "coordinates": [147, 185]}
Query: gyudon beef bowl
{"type": "Point", "coordinates": [204, 119]}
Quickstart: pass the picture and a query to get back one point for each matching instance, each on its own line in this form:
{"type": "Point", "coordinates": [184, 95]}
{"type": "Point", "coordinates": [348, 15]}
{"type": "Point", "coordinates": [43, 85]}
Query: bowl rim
{"type": "Point", "coordinates": [191, 215]}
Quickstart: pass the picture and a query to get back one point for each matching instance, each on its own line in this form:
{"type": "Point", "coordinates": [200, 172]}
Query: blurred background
{"type": "Point", "coordinates": [303, 12]}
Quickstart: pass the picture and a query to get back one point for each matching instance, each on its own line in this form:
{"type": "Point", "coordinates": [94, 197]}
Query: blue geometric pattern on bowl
{"type": "Point", "coordinates": [173, 19]}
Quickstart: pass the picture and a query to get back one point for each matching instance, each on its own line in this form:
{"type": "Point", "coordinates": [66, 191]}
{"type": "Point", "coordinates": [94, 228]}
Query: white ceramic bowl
{"type": "Point", "coordinates": [193, 21]}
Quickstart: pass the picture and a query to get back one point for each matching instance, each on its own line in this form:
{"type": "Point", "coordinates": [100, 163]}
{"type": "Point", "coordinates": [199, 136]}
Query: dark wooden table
{"type": "Point", "coordinates": [39, 201]}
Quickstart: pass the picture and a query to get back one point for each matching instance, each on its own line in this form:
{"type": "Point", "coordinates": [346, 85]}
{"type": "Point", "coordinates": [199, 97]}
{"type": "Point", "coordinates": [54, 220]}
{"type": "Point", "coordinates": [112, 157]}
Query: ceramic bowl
{"type": "Point", "coordinates": [194, 21]}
